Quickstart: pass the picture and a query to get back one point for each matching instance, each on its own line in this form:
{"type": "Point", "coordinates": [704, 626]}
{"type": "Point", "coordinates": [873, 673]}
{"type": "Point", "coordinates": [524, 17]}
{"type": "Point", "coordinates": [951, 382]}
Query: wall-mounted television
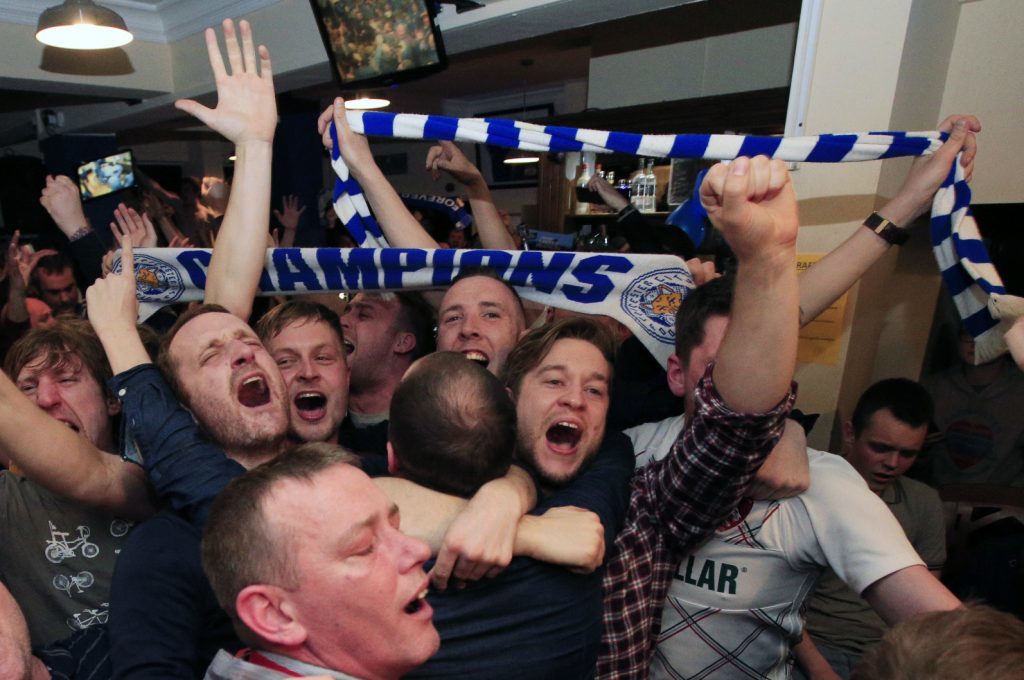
{"type": "Point", "coordinates": [371, 43]}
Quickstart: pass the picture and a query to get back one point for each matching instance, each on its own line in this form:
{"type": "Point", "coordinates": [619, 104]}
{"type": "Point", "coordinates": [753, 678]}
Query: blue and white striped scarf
{"type": "Point", "coordinates": [963, 260]}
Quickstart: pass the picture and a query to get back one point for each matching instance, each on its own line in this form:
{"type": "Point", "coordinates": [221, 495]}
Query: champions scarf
{"type": "Point", "coordinates": [967, 272]}
{"type": "Point", "coordinates": [641, 291]}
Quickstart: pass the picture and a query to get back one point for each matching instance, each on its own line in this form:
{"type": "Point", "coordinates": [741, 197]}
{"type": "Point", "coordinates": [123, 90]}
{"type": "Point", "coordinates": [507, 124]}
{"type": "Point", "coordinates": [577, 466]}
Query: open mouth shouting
{"type": "Point", "coordinates": [254, 391]}
{"type": "Point", "coordinates": [477, 356]}
{"type": "Point", "coordinates": [310, 405]}
{"type": "Point", "coordinates": [419, 604]}
{"type": "Point", "coordinates": [563, 437]}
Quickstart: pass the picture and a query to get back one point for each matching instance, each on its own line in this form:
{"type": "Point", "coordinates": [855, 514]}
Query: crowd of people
{"type": "Point", "coordinates": [434, 484]}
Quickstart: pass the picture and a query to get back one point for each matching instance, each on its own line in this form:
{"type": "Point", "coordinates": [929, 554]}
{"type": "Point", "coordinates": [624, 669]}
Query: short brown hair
{"type": "Point", "coordinates": [239, 546]}
{"type": "Point", "coordinates": [453, 425]}
{"type": "Point", "coordinates": [302, 311]}
{"type": "Point", "coordinates": [537, 343]}
{"type": "Point", "coordinates": [714, 298]}
{"type": "Point", "coordinates": [416, 316]}
{"type": "Point", "coordinates": [163, 359]}
{"type": "Point", "coordinates": [68, 342]}
{"type": "Point", "coordinates": [972, 643]}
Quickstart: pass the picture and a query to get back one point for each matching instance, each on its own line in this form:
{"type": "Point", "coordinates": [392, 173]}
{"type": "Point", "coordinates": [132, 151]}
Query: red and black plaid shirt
{"type": "Point", "coordinates": [675, 503]}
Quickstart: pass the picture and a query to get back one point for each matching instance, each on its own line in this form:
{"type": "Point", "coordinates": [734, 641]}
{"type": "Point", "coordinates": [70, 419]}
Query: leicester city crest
{"type": "Point", "coordinates": [653, 299]}
{"type": "Point", "coordinates": [155, 280]}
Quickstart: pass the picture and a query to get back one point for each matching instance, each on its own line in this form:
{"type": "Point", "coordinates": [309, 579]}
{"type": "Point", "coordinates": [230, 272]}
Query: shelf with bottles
{"type": "Point", "coordinates": [641, 181]}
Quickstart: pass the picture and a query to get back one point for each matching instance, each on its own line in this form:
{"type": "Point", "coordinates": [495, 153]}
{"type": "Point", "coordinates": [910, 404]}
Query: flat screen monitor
{"type": "Point", "coordinates": [371, 43]}
{"type": "Point", "coordinates": [106, 175]}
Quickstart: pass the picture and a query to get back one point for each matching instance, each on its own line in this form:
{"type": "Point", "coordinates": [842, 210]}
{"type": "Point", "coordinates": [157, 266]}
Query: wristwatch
{"type": "Point", "coordinates": [886, 230]}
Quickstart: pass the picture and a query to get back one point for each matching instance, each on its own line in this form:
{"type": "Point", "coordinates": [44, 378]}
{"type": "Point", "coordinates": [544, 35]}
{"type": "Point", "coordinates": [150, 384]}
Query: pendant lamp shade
{"type": "Point", "coordinates": [82, 25]}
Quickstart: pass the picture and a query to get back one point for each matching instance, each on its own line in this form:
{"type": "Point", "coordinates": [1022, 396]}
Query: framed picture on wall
{"type": "Point", "coordinates": [491, 159]}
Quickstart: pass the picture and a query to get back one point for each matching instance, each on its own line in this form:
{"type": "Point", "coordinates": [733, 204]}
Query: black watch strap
{"type": "Point", "coordinates": [886, 230]}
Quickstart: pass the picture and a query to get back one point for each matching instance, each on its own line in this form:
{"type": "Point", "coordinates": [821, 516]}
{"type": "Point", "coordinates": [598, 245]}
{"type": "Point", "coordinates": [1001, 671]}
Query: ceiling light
{"type": "Point", "coordinates": [82, 25]}
{"type": "Point", "coordinates": [521, 158]}
{"type": "Point", "coordinates": [365, 103]}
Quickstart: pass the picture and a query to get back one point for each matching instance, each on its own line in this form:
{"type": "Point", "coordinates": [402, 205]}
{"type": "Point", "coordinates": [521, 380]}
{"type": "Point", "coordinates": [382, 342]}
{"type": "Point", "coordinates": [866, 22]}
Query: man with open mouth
{"type": "Point", "coordinates": [384, 334]}
{"type": "Point", "coordinates": [481, 317]}
{"type": "Point", "coordinates": [305, 340]}
{"type": "Point", "coordinates": [60, 539]}
{"type": "Point", "coordinates": [319, 579]}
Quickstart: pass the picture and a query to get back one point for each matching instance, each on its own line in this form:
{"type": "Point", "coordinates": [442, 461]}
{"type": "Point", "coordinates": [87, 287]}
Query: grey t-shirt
{"type": "Point", "coordinates": [57, 558]}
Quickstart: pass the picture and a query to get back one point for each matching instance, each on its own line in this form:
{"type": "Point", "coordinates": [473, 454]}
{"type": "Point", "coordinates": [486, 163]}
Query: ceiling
{"type": "Point", "coordinates": [486, 48]}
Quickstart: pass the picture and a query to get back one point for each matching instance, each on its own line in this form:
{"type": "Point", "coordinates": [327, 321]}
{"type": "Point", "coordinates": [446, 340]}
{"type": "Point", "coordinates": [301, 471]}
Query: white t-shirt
{"type": "Point", "coordinates": [733, 608]}
{"type": "Point", "coordinates": [653, 441]}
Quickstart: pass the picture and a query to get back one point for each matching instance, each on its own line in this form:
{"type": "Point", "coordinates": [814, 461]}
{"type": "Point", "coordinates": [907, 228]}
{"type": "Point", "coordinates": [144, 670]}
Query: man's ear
{"type": "Point", "coordinates": [267, 611]}
{"type": "Point", "coordinates": [392, 461]}
{"type": "Point", "coordinates": [113, 406]}
{"type": "Point", "coordinates": [404, 343]}
{"type": "Point", "coordinates": [848, 436]}
{"type": "Point", "coordinates": [676, 376]}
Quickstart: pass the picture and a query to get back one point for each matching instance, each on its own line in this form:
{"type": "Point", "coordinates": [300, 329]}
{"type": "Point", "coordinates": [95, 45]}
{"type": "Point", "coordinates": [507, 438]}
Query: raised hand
{"type": "Point", "coordinates": [180, 241]}
{"type": "Point", "coordinates": [289, 216]}
{"type": "Point", "coordinates": [136, 228]}
{"type": "Point", "coordinates": [111, 301]}
{"type": "Point", "coordinates": [448, 157]}
{"type": "Point", "coordinates": [61, 199]}
{"type": "Point", "coordinates": [246, 108]}
{"type": "Point", "coordinates": [18, 268]}
{"type": "Point", "coordinates": [928, 172]}
{"type": "Point", "coordinates": [752, 201]}
{"type": "Point", "coordinates": [354, 148]}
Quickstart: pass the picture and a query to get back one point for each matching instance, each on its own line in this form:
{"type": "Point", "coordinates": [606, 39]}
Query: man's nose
{"type": "Point", "coordinates": [243, 354]}
{"type": "Point", "coordinates": [47, 394]}
{"type": "Point", "coordinates": [572, 396]}
{"type": "Point", "coordinates": [307, 370]}
{"type": "Point", "coordinates": [469, 327]}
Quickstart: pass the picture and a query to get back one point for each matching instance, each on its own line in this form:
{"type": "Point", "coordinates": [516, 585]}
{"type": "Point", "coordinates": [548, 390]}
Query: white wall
{"type": "Point", "coordinates": [749, 60]}
{"type": "Point", "coordinates": [985, 78]}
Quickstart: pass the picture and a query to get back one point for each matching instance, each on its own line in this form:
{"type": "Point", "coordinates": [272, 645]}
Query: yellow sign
{"type": "Point", "coordinates": [820, 340]}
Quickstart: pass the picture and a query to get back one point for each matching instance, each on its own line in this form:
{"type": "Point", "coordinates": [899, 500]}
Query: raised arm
{"type": "Point", "coordinates": [827, 279]}
{"type": "Point", "coordinates": [740, 417]}
{"type": "Point", "coordinates": [448, 157]}
{"type": "Point", "coordinates": [17, 268]}
{"type": "Point", "coordinates": [399, 226]}
{"type": "Point", "coordinates": [61, 199]}
{"type": "Point", "coordinates": [65, 462]}
{"type": "Point", "coordinates": [182, 467]}
{"type": "Point", "coordinates": [246, 115]}
{"type": "Point", "coordinates": [753, 203]}
{"type": "Point", "coordinates": [289, 218]}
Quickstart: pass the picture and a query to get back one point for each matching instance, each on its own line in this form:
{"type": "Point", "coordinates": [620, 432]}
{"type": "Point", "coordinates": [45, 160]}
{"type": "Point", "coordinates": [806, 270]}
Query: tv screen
{"type": "Point", "coordinates": [106, 175]}
{"type": "Point", "coordinates": [379, 42]}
